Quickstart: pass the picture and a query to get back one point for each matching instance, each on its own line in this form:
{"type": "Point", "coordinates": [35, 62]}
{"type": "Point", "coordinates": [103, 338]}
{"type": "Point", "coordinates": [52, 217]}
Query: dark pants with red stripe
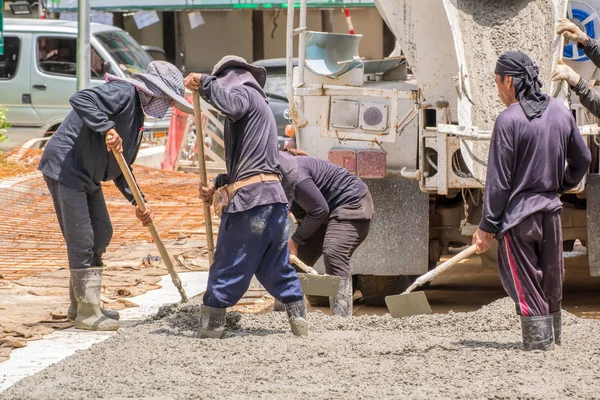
{"type": "Point", "coordinates": [530, 261]}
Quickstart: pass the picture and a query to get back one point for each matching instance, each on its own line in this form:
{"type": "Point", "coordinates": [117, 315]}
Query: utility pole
{"type": "Point", "coordinates": [83, 44]}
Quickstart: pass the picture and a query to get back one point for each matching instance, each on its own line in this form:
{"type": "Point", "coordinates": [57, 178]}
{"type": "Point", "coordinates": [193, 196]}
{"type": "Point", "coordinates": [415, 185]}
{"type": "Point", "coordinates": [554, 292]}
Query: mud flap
{"type": "Point", "coordinates": [398, 241]}
{"type": "Point", "coordinates": [593, 222]}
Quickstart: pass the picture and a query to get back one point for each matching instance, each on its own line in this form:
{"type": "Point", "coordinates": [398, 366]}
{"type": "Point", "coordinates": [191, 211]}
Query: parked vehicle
{"type": "Point", "coordinates": [275, 91]}
{"type": "Point", "coordinates": [38, 73]}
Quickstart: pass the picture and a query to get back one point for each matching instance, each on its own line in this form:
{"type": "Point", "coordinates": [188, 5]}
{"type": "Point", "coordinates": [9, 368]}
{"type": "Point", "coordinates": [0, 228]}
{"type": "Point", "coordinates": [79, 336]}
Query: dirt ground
{"type": "Point", "coordinates": [456, 355]}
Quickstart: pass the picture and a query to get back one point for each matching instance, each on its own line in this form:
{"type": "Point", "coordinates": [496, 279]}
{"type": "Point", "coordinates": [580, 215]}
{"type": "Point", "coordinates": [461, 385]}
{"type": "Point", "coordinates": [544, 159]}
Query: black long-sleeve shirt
{"type": "Point", "coordinates": [76, 155]}
{"type": "Point", "coordinates": [251, 146]}
{"type": "Point", "coordinates": [526, 165]}
{"type": "Point", "coordinates": [322, 189]}
{"type": "Point", "coordinates": [588, 96]}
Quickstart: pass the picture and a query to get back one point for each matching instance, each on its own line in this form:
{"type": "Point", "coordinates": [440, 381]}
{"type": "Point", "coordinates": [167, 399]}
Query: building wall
{"type": "Point", "coordinates": [230, 32]}
{"type": "Point", "coordinates": [367, 22]}
{"type": "Point", "coordinates": [224, 33]}
{"type": "Point", "coordinates": [149, 36]}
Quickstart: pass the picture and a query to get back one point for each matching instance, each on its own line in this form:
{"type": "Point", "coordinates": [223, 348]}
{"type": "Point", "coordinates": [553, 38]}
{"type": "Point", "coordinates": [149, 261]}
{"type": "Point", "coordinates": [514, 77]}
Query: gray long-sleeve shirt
{"type": "Point", "coordinates": [526, 165]}
{"type": "Point", "coordinates": [251, 146]}
{"type": "Point", "coordinates": [76, 155]}
{"type": "Point", "coordinates": [588, 96]}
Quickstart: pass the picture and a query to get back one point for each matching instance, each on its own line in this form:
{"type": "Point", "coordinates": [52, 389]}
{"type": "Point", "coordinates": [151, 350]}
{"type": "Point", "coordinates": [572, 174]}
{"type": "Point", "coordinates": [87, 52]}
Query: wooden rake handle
{"type": "Point", "coordinates": [203, 178]}
{"type": "Point", "coordinates": [137, 195]}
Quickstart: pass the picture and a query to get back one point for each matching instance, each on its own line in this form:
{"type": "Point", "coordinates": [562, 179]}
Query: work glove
{"type": "Point", "coordinates": [563, 72]}
{"type": "Point", "coordinates": [571, 31]}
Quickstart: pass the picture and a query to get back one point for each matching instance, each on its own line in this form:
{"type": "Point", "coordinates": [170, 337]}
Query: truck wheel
{"type": "Point", "coordinates": [375, 288]}
{"type": "Point", "coordinates": [318, 301]}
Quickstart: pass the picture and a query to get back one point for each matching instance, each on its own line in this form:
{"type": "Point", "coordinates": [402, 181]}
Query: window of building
{"type": "Point", "coordinates": [10, 60]}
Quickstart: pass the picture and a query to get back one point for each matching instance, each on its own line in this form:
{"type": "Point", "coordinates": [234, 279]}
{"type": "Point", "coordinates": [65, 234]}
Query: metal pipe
{"type": "Point", "coordinates": [83, 44]}
{"type": "Point", "coordinates": [289, 51]}
{"type": "Point", "coordinates": [301, 43]}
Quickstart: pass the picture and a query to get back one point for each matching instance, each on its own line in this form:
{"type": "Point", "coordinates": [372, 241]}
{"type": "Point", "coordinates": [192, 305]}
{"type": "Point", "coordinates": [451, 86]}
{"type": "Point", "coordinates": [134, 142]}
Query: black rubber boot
{"type": "Point", "coordinates": [296, 312]}
{"type": "Point", "coordinates": [537, 332]}
{"type": "Point", "coordinates": [557, 322]}
{"type": "Point", "coordinates": [278, 306]}
{"type": "Point", "coordinates": [86, 290]}
{"type": "Point", "coordinates": [212, 322]}
{"type": "Point", "coordinates": [341, 305]}
{"type": "Point", "coordinates": [72, 311]}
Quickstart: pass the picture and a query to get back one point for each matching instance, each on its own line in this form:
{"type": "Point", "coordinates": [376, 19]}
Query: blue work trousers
{"type": "Point", "coordinates": [252, 242]}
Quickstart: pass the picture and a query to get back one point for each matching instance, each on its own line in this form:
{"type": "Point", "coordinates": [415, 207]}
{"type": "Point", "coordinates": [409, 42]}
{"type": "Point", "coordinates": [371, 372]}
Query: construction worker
{"type": "Point", "coordinates": [253, 233]}
{"type": "Point", "coordinates": [588, 97]}
{"type": "Point", "coordinates": [79, 157]}
{"type": "Point", "coordinates": [335, 209]}
{"type": "Point", "coordinates": [532, 141]}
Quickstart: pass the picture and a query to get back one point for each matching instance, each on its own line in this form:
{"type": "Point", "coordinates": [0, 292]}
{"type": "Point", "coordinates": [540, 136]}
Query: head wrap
{"type": "Point", "coordinates": [525, 74]}
{"type": "Point", "coordinates": [160, 88]}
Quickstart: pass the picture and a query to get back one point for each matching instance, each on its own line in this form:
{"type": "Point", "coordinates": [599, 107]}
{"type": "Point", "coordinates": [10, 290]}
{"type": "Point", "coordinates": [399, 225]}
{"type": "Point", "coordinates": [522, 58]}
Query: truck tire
{"type": "Point", "coordinates": [375, 288]}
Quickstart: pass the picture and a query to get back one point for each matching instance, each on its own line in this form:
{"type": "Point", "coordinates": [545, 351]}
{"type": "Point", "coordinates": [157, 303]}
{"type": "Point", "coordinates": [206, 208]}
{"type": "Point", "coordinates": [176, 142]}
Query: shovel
{"type": "Point", "coordinates": [164, 253]}
{"type": "Point", "coordinates": [314, 284]}
{"type": "Point", "coordinates": [408, 303]}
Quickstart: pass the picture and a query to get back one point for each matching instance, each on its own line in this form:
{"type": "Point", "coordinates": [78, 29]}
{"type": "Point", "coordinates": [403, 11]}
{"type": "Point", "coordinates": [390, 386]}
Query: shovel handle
{"type": "Point", "coordinates": [137, 195]}
{"type": "Point", "coordinates": [203, 178]}
{"type": "Point", "coordinates": [431, 275]}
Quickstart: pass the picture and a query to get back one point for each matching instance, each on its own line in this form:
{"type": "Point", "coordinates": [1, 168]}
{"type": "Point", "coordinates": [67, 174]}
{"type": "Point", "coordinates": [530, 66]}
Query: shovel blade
{"type": "Point", "coordinates": [319, 285]}
{"type": "Point", "coordinates": [405, 305]}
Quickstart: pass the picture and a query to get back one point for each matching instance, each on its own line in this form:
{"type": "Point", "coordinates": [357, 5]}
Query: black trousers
{"type": "Point", "coordinates": [336, 241]}
{"type": "Point", "coordinates": [531, 266]}
{"type": "Point", "coordinates": [84, 223]}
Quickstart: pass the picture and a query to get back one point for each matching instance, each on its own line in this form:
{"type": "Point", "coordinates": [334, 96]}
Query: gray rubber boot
{"type": "Point", "coordinates": [296, 312]}
{"type": "Point", "coordinates": [537, 332]}
{"type": "Point", "coordinates": [86, 289]}
{"type": "Point", "coordinates": [212, 322]}
{"type": "Point", "coordinates": [278, 306]}
{"type": "Point", "coordinates": [341, 305]}
{"type": "Point", "coordinates": [72, 311]}
{"type": "Point", "coordinates": [557, 322]}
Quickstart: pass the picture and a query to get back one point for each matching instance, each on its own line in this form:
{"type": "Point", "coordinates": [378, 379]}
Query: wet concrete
{"type": "Point", "coordinates": [456, 355]}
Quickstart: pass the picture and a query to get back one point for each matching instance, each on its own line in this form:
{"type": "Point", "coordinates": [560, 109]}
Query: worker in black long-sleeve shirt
{"type": "Point", "coordinates": [335, 209]}
{"type": "Point", "coordinates": [588, 96]}
{"type": "Point", "coordinates": [532, 141]}
{"type": "Point", "coordinates": [253, 234]}
{"type": "Point", "coordinates": [79, 157]}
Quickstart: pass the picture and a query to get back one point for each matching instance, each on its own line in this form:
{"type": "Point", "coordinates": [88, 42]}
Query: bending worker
{"type": "Point", "coordinates": [335, 209]}
{"type": "Point", "coordinates": [588, 97]}
{"type": "Point", "coordinates": [532, 141]}
{"type": "Point", "coordinates": [79, 157]}
{"type": "Point", "coordinates": [253, 233]}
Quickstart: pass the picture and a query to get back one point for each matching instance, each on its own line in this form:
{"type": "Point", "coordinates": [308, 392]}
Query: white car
{"type": "Point", "coordinates": [38, 73]}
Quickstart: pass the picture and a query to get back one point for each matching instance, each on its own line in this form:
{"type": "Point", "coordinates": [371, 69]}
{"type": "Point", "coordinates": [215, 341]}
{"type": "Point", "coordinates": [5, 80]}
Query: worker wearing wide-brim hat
{"type": "Point", "coordinates": [334, 209]}
{"type": "Point", "coordinates": [253, 233]}
{"type": "Point", "coordinates": [79, 157]}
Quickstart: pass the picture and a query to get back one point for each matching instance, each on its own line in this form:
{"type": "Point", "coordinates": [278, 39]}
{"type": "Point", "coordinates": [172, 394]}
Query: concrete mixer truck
{"type": "Point", "coordinates": [420, 140]}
